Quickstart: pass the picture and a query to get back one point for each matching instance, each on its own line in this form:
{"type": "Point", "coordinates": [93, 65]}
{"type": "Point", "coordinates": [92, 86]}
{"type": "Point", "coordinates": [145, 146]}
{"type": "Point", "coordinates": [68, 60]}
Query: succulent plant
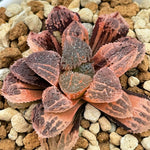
{"type": "Point", "coordinates": [66, 75]}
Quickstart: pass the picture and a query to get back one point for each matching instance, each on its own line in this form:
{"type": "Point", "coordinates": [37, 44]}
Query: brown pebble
{"type": "Point", "coordinates": [121, 131]}
{"type": "Point", "coordinates": [67, 2]}
{"type": "Point", "coordinates": [8, 55]}
{"type": "Point", "coordinates": [8, 128]}
{"type": "Point", "coordinates": [85, 123]}
{"type": "Point", "coordinates": [82, 143]}
{"type": "Point", "coordinates": [35, 6]}
{"type": "Point", "coordinates": [104, 146]}
{"type": "Point", "coordinates": [143, 76]}
{"type": "Point", "coordinates": [1, 84]}
{"type": "Point", "coordinates": [92, 6]}
{"type": "Point", "coordinates": [2, 14]}
{"type": "Point", "coordinates": [138, 137]}
{"type": "Point", "coordinates": [40, 14]}
{"type": "Point", "coordinates": [103, 137]}
{"type": "Point", "coordinates": [22, 43]}
{"type": "Point", "coordinates": [104, 4]}
{"type": "Point", "coordinates": [120, 2]}
{"type": "Point", "coordinates": [143, 66]}
{"type": "Point", "coordinates": [1, 104]}
{"type": "Point", "coordinates": [2, 21]}
{"type": "Point", "coordinates": [31, 141]}
{"type": "Point", "coordinates": [18, 30]}
{"type": "Point", "coordinates": [14, 44]}
{"type": "Point", "coordinates": [7, 144]}
{"type": "Point", "coordinates": [139, 147]}
{"type": "Point", "coordinates": [106, 10]}
{"type": "Point", "coordinates": [3, 132]}
{"type": "Point", "coordinates": [6, 104]}
{"type": "Point", "coordinates": [136, 89]}
{"type": "Point", "coordinates": [147, 93]}
{"type": "Point", "coordinates": [130, 23]}
{"type": "Point", "coordinates": [124, 81]}
{"type": "Point", "coordinates": [145, 134]}
{"type": "Point", "coordinates": [132, 72]}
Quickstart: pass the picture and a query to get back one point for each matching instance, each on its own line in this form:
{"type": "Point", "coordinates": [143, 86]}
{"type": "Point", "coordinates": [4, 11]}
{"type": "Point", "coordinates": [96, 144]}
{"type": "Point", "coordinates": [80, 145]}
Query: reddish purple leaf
{"type": "Point", "coordinates": [105, 87]}
{"type": "Point", "coordinates": [108, 28]}
{"type": "Point", "coordinates": [46, 65]}
{"type": "Point", "coordinates": [16, 91]}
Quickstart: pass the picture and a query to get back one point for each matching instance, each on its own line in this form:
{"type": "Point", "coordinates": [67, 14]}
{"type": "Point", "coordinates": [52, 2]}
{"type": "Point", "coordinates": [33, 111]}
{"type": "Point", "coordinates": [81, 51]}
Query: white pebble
{"type": "Point", "coordinates": [144, 4]}
{"type": "Point", "coordinates": [12, 134]}
{"type": "Point", "coordinates": [7, 113]}
{"type": "Point", "coordinates": [13, 10]}
{"type": "Point", "coordinates": [146, 143]}
{"type": "Point", "coordinates": [113, 128]}
{"type": "Point", "coordinates": [3, 73]}
{"type": "Point", "coordinates": [74, 4]}
{"type": "Point", "coordinates": [81, 130]}
{"type": "Point", "coordinates": [128, 142]}
{"type": "Point", "coordinates": [133, 81]}
{"type": "Point", "coordinates": [84, 2]}
{"type": "Point", "coordinates": [147, 48]}
{"type": "Point", "coordinates": [91, 113]}
{"type": "Point", "coordinates": [19, 140]}
{"type": "Point", "coordinates": [89, 28]}
{"type": "Point", "coordinates": [115, 138]}
{"type": "Point", "coordinates": [94, 128]}
{"type": "Point", "coordinates": [90, 136]}
{"type": "Point", "coordinates": [33, 22]}
{"type": "Point", "coordinates": [131, 33]}
{"type": "Point", "coordinates": [104, 124]}
{"type": "Point", "coordinates": [86, 15]}
{"type": "Point", "coordinates": [19, 123]}
{"type": "Point", "coordinates": [79, 149]}
{"type": "Point", "coordinates": [93, 147]}
{"type": "Point", "coordinates": [146, 85]}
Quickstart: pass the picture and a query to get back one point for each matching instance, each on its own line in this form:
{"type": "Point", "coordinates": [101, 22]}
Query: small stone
{"type": "Point", "coordinates": [115, 138]}
{"type": "Point", "coordinates": [13, 10]}
{"type": "Point", "coordinates": [27, 53]}
{"type": "Point", "coordinates": [86, 15]}
{"type": "Point", "coordinates": [81, 130]}
{"type": "Point", "coordinates": [14, 44]}
{"type": "Point", "coordinates": [139, 147]}
{"type": "Point", "coordinates": [13, 134]}
{"type": "Point", "coordinates": [82, 143]}
{"type": "Point", "coordinates": [92, 6]}
{"type": "Point", "coordinates": [3, 73]}
{"type": "Point", "coordinates": [136, 89]}
{"type": "Point", "coordinates": [143, 66]}
{"type": "Point", "coordinates": [95, 17]}
{"type": "Point", "coordinates": [131, 33]}
{"type": "Point", "coordinates": [93, 147]}
{"type": "Point", "coordinates": [2, 13]}
{"type": "Point", "coordinates": [103, 137]}
{"type": "Point", "coordinates": [19, 123]}
{"type": "Point", "coordinates": [33, 22]}
{"type": "Point", "coordinates": [147, 48]}
{"type": "Point", "coordinates": [40, 14]}
{"type": "Point", "coordinates": [143, 35]}
{"type": "Point", "coordinates": [85, 123]}
{"type": "Point", "coordinates": [145, 134]}
{"type": "Point", "coordinates": [8, 128]}
{"type": "Point", "coordinates": [132, 72]}
{"type": "Point", "coordinates": [120, 2]}
{"type": "Point", "coordinates": [144, 4]}
{"type": "Point", "coordinates": [80, 149]}
{"type": "Point", "coordinates": [84, 2]}
{"type": "Point", "coordinates": [143, 76]}
{"type": "Point", "coordinates": [8, 55]}
{"type": "Point", "coordinates": [1, 103]}
{"type": "Point", "coordinates": [146, 85]}
{"type": "Point", "coordinates": [91, 113]}
{"type": "Point", "coordinates": [128, 142]}
{"type": "Point", "coordinates": [2, 21]}
{"type": "Point", "coordinates": [104, 146]}
{"type": "Point", "coordinates": [31, 141]}
{"type": "Point", "coordinates": [74, 4]}
{"type": "Point", "coordinates": [19, 140]}
{"type": "Point", "coordinates": [121, 131]}
{"type": "Point", "coordinates": [133, 81]}
{"type": "Point", "coordinates": [18, 30]}
{"type": "Point", "coordinates": [146, 143]}
{"type": "Point", "coordinates": [130, 23]}
{"type": "Point", "coordinates": [94, 128]}
{"type": "Point", "coordinates": [124, 81]}
{"type": "Point", "coordinates": [90, 136]}
{"type": "Point", "coordinates": [36, 6]}
{"type": "Point", "coordinates": [89, 28]}
{"type": "Point", "coordinates": [106, 10]}
{"type": "Point", "coordinates": [22, 43]}
{"type": "Point", "coordinates": [7, 144]}
{"type": "Point", "coordinates": [7, 114]}
{"type": "Point", "coordinates": [3, 132]}
{"type": "Point", "coordinates": [104, 124]}
{"type": "Point", "coordinates": [113, 128]}
{"type": "Point", "coordinates": [47, 8]}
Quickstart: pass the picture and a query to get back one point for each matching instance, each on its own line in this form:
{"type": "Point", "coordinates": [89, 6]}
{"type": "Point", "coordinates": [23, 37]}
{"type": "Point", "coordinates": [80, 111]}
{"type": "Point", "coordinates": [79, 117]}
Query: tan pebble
{"type": "Point", "coordinates": [22, 43]}
{"type": "Point", "coordinates": [40, 14]}
{"type": "Point", "coordinates": [136, 89]}
{"type": "Point", "coordinates": [74, 4]}
{"type": "Point", "coordinates": [27, 53]}
{"type": "Point", "coordinates": [104, 146]}
{"type": "Point", "coordinates": [2, 13]}
{"type": "Point", "coordinates": [143, 76]}
{"type": "Point", "coordinates": [145, 134]}
{"type": "Point", "coordinates": [103, 137]}
{"type": "Point", "coordinates": [147, 48]}
{"type": "Point", "coordinates": [14, 44]}
{"type": "Point", "coordinates": [95, 17]}
{"type": "Point", "coordinates": [121, 131]}
{"type": "Point", "coordinates": [146, 143]}
{"type": "Point", "coordinates": [2, 21]}
{"type": "Point", "coordinates": [104, 124]}
{"type": "Point", "coordinates": [120, 2]}
{"type": "Point", "coordinates": [139, 147]}
{"type": "Point", "coordinates": [31, 141]}
{"type": "Point", "coordinates": [92, 6]}
{"type": "Point", "coordinates": [7, 144]}
{"type": "Point", "coordinates": [133, 81]}
{"type": "Point", "coordinates": [19, 140]}
{"type": "Point", "coordinates": [67, 2]}
{"type": "Point", "coordinates": [18, 30]}
{"type": "Point", "coordinates": [147, 93]}
{"type": "Point", "coordinates": [131, 33]}
{"type": "Point", "coordinates": [1, 103]}
{"type": "Point", "coordinates": [106, 10]}
{"type": "Point", "coordinates": [124, 81]}
{"type": "Point", "coordinates": [130, 23]}
{"type": "Point", "coordinates": [115, 138]}
{"type": "Point", "coordinates": [82, 143]}
{"type": "Point", "coordinates": [13, 134]}
{"type": "Point", "coordinates": [93, 147]}
{"type": "Point", "coordinates": [3, 132]}
{"type": "Point", "coordinates": [143, 66]}
{"type": "Point", "coordinates": [85, 123]}
{"type": "Point", "coordinates": [35, 6]}
{"type": "Point", "coordinates": [146, 85]}
{"type": "Point", "coordinates": [94, 128]}
{"type": "Point", "coordinates": [104, 4]}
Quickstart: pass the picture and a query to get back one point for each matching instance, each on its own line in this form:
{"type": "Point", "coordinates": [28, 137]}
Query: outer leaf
{"type": "Point", "coordinates": [16, 91]}
{"type": "Point", "coordinates": [51, 124]}
{"type": "Point", "coordinates": [22, 72]}
{"type": "Point", "coordinates": [75, 53]}
{"type": "Point", "coordinates": [46, 65]}
{"type": "Point", "coordinates": [76, 29]}
{"type": "Point", "coordinates": [140, 121]}
{"type": "Point", "coordinates": [105, 87]}
{"type": "Point", "coordinates": [122, 108]}
{"type": "Point", "coordinates": [118, 56]}
{"type": "Point", "coordinates": [74, 84]}
{"type": "Point", "coordinates": [108, 28]}
{"type": "Point", "coordinates": [54, 101]}
{"type": "Point", "coordinates": [59, 18]}
{"type": "Point", "coordinates": [43, 41]}
{"type": "Point", "coordinates": [140, 49]}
